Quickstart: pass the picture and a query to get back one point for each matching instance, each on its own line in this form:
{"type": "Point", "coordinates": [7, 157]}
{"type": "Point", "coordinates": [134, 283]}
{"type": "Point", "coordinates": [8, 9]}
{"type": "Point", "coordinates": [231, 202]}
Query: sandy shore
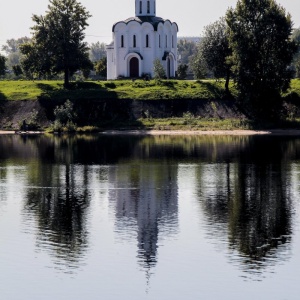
{"type": "Point", "coordinates": [294, 132]}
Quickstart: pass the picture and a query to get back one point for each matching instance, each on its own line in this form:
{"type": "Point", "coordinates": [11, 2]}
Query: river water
{"type": "Point", "coordinates": [141, 217]}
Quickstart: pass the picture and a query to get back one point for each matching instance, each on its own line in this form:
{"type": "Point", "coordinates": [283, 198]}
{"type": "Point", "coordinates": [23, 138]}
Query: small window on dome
{"type": "Point", "coordinates": [122, 41]}
{"type": "Point", "coordinates": [141, 7]}
{"type": "Point", "coordinates": [147, 40]}
{"type": "Point", "coordinates": [134, 41]}
{"type": "Point", "coordinates": [159, 45]}
{"type": "Point", "coordinates": [148, 7]}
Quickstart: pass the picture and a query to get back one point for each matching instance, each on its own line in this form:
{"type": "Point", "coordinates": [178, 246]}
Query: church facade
{"type": "Point", "coordinates": [139, 40]}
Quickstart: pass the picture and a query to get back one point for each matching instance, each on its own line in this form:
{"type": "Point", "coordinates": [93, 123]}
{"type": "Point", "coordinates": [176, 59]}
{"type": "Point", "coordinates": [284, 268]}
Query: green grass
{"type": "Point", "coordinates": [119, 89]}
{"type": "Point", "coordinates": [123, 89]}
{"type": "Point", "coordinates": [194, 124]}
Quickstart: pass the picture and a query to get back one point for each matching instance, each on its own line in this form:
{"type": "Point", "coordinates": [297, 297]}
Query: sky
{"type": "Point", "coordinates": [190, 15]}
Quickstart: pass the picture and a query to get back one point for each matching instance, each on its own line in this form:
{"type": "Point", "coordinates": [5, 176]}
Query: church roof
{"type": "Point", "coordinates": [154, 21]}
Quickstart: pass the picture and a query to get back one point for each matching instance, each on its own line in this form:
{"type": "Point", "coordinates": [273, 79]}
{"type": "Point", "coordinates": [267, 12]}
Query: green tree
{"type": "Point", "coordinates": [296, 60]}
{"type": "Point", "coordinates": [97, 51]}
{"type": "Point", "coordinates": [259, 36]}
{"type": "Point", "coordinates": [2, 64]}
{"type": "Point", "coordinates": [198, 64]}
{"type": "Point", "coordinates": [186, 48]}
{"type": "Point", "coordinates": [215, 50]}
{"type": "Point", "coordinates": [101, 67]}
{"type": "Point", "coordinates": [12, 50]}
{"type": "Point", "coordinates": [159, 71]}
{"type": "Point", "coordinates": [58, 40]}
{"type": "Point", "coordinates": [182, 71]}
{"type": "Point", "coordinates": [17, 70]}
{"type": "Point", "coordinates": [34, 62]}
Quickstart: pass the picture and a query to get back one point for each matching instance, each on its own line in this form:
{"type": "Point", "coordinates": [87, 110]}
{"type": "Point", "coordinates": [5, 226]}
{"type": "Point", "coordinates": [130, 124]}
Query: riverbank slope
{"type": "Point", "coordinates": [161, 105]}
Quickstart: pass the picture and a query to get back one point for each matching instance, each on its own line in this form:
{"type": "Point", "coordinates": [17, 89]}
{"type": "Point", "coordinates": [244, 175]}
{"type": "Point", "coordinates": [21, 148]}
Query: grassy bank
{"type": "Point", "coordinates": [122, 89]}
{"type": "Point", "coordinates": [161, 105]}
{"type": "Point", "coordinates": [119, 89]}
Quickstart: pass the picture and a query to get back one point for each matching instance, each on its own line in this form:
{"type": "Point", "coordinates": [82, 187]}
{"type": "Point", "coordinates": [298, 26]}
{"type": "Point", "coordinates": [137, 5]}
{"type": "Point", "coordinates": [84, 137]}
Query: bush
{"type": "Point", "coordinates": [159, 71]}
{"type": "Point", "coordinates": [65, 113]}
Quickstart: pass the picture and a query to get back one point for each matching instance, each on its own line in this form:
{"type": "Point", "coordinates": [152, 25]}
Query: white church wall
{"type": "Point", "coordinates": [135, 38]}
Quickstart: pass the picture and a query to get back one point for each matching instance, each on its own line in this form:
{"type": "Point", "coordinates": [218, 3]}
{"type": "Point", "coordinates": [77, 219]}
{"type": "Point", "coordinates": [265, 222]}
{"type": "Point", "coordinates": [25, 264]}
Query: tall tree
{"type": "Point", "coordinates": [58, 40]}
{"type": "Point", "coordinates": [186, 48]}
{"type": "Point", "coordinates": [296, 60]}
{"type": "Point", "coordinates": [12, 50]}
{"type": "Point", "coordinates": [97, 51]}
{"type": "Point", "coordinates": [198, 64]}
{"type": "Point", "coordinates": [215, 49]}
{"type": "Point", "coordinates": [259, 36]}
{"type": "Point", "coordinates": [2, 64]}
{"type": "Point", "coordinates": [101, 67]}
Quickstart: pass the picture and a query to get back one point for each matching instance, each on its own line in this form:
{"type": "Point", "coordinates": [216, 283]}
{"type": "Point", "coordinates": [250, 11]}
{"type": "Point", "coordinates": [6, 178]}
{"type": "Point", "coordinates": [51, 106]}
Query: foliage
{"type": "Point", "coordinates": [214, 50]}
{"type": "Point", "coordinates": [12, 45]}
{"type": "Point", "coordinates": [31, 122]}
{"type": "Point", "coordinates": [86, 73]}
{"type": "Point", "coordinates": [190, 122]}
{"type": "Point", "coordinates": [186, 49]}
{"type": "Point", "coordinates": [57, 44]}
{"type": "Point", "coordinates": [34, 63]}
{"type": "Point", "coordinates": [182, 71]}
{"type": "Point", "coordinates": [259, 35]}
{"type": "Point", "coordinates": [65, 113]}
{"type": "Point", "coordinates": [2, 64]}
{"type": "Point", "coordinates": [101, 67]}
{"type": "Point", "coordinates": [296, 60]}
{"type": "Point", "coordinates": [159, 71]}
{"type": "Point", "coordinates": [57, 126]}
{"type": "Point", "coordinates": [17, 70]}
{"type": "Point", "coordinates": [199, 65]}
{"type": "Point", "coordinates": [12, 50]}
{"type": "Point", "coordinates": [97, 51]}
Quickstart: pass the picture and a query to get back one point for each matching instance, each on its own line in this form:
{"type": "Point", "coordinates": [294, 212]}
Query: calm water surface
{"type": "Point", "coordinates": [120, 217]}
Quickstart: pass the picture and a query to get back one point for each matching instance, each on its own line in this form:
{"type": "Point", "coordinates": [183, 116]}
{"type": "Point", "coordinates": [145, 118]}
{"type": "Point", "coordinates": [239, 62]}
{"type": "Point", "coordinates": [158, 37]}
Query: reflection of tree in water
{"type": "Point", "coordinates": [59, 200]}
{"type": "Point", "coordinates": [250, 199]}
{"type": "Point", "coordinates": [145, 198]}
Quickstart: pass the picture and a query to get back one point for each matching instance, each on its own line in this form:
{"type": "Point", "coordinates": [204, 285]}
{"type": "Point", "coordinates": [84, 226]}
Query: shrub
{"type": "Point", "coordinates": [65, 113]}
{"type": "Point", "coordinates": [159, 71]}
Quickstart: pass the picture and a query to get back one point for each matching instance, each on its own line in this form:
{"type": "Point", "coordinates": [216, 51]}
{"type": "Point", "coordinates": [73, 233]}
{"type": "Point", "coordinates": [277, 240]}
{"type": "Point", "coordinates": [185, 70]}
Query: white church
{"type": "Point", "coordinates": [139, 40]}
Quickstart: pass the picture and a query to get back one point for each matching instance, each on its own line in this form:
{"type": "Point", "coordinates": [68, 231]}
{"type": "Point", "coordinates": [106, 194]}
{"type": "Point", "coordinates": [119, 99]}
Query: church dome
{"type": "Point", "coordinates": [154, 21]}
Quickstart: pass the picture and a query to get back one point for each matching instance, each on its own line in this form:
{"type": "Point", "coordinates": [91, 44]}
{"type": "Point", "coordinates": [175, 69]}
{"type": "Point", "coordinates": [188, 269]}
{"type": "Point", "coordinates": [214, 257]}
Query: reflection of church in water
{"type": "Point", "coordinates": [146, 202]}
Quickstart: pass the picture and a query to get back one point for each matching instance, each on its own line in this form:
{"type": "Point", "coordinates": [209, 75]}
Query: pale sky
{"type": "Point", "coordinates": [190, 15]}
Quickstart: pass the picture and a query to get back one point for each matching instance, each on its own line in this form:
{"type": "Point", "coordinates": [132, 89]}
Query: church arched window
{"type": "Point", "coordinates": [166, 41]}
{"type": "Point", "coordinates": [122, 41]}
{"type": "Point", "coordinates": [134, 41]}
{"type": "Point", "coordinates": [141, 7]}
{"type": "Point", "coordinates": [147, 40]}
{"type": "Point", "coordinates": [148, 7]}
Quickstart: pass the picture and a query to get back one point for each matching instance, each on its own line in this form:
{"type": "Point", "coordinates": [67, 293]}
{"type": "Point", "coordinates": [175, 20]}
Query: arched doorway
{"type": "Point", "coordinates": [168, 67]}
{"type": "Point", "coordinates": [134, 67]}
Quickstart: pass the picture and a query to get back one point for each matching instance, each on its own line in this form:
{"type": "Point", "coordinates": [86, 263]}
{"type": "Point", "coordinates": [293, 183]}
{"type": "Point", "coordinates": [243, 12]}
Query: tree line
{"type": "Point", "coordinates": [57, 45]}
{"type": "Point", "coordinates": [255, 45]}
